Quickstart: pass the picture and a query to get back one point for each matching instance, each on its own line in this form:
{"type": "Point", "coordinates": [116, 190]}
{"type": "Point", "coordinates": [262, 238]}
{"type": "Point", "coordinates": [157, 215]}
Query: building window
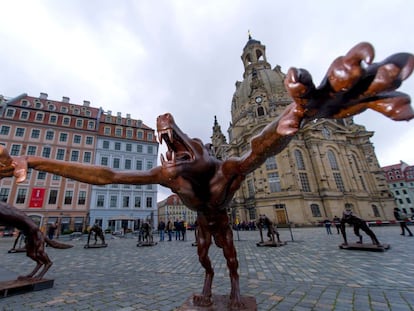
{"type": "Point", "coordinates": [140, 134]}
{"type": "Point", "coordinates": [139, 165]}
{"type": "Point", "coordinates": [149, 165]}
{"type": "Point", "coordinates": [63, 137]}
{"type": "Point", "coordinates": [332, 160]}
{"type": "Point", "coordinates": [250, 188]}
{"type": "Point", "coordinates": [53, 119]}
{"type": "Point", "coordinates": [113, 201]}
{"type": "Point", "coordinates": [316, 212]}
{"type": "Point", "coordinates": [104, 161]}
{"type": "Point", "coordinates": [21, 196]}
{"type": "Point", "coordinates": [100, 201]}
{"type": "Point", "coordinates": [4, 194]}
{"type": "Point", "coordinates": [105, 144]}
{"type": "Point", "coordinates": [15, 150]}
{"type": "Point", "coordinates": [116, 162]}
{"type": "Point", "coordinates": [149, 136]}
{"type": "Point", "coordinates": [128, 147]}
{"type": "Point", "coordinates": [41, 175]}
{"type": "Point", "coordinates": [339, 182]}
{"type": "Point", "coordinates": [19, 132]}
{"type": "Point", "coordinates": [375, 211]}
{"type": "Point", "coordinates": [149, 202]}
{"type": "Point", "coordinates": [35, 134]}
{"type": "Point", "coordinates": [271, 163]}
{"type": "Point", "coordinates": [49, 135]}
{"type": "Point", "coordinates": [137, 203]}
{"type": "Point", "coordinates": [31, 150]}
{"type": "Point", "coordinates": [118, 131]}
{"type": "Point", "coordinates": [68, 196]}
{"type": "Point", "coordinates": [304, 182]}
{"type": "Point", "coordinates": [91, 125]}
{"type": "Point", "coordinates": [87, 156]}
{"type": "Point", "coordinates": [77, 139]}
{"type": "Point", "coordinates": [60, 154]}
{"type": "Point", "coordinates": [117, 146]}
{"type": "Point", "coordinates": [139, 148]}
{"type": "Point", "coordinates": [66, 121]}
{"type": "Point", "coordinates": [127, 164]}
{"type": "Point", "coordinates": [125, 201]}
{"type": "Point", "coordinates": [39, 116]}
{"type": "Point", "coordinates": [10, 113]}
{"type": "Point", "coordinates": [46, 152]}
{"type": "Point", "coordinates": [150, 150]}
{"type": "Point", "coordinates": [89, 140]}
{"type": "Point", "coordinates": [274, 182]}
{"type": "Point", "coordinates": [82, 198]}
{"type": "Point", "coordinates": [5, 130]}
{"type": "Point", "coordinates": [129, 133]}
{"type": "Point", "coordinates": [299, 160]}
{"type": "Point", "coordinates": [74, 157]}
{"type": "Point", "coordinates": [53, 196]}
{"type": "Point", "coordinates": [24, 115]}
{"type": "Point", "coordinates": [79, 123]}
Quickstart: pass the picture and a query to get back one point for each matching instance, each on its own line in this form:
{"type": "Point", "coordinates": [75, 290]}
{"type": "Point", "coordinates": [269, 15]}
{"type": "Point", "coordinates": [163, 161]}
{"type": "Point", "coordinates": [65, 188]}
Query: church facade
{"type": "Point", "coordinates": [330, 165]}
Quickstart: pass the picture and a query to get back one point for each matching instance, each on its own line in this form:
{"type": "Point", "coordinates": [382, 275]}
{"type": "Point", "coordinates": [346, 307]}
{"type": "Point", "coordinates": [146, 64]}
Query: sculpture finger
{"type": "Point", "coordinates": [346, 70]}
{"type": "Point", "coordinates": [395, 106]}
{"type": "Point", "coordinates": [299, 84]}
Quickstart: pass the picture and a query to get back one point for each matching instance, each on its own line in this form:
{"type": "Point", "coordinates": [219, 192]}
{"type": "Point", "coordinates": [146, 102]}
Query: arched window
{"type": "Point", "coordinates": [260, 111]}
{"type": "Point", "coordinates": [316, 212]}
{"type": "Point", "coordinates": [375, 210]}
{"type": "Point", "coordinates": [332, 160]}
{"type": "Point", "coordinates": [299, 160]}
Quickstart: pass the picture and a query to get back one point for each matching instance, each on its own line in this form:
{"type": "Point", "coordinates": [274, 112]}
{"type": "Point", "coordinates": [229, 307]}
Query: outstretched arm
{"type": "Point", "coordinates": [349, 88]}
{"type": "Point", "coordinates": [91, 174]}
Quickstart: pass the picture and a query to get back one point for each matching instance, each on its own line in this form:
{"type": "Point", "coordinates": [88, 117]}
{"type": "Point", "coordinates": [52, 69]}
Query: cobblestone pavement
{"type": "Point", "coordinates": [311, 273]}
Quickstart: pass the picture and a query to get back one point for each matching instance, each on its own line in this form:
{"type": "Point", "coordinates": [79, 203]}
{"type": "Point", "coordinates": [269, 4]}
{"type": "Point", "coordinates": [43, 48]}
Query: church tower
{"type": "Point", "coordinates": [329, 165]}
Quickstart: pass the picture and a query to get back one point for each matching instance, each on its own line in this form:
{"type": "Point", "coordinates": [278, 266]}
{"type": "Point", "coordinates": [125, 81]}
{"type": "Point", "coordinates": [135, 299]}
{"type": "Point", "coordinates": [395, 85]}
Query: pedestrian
{"type": "Point", "coordinates": [170, 227]}
{"type": "Point", "coordinates": [161, 230]}
{"type": "Point", "coordinates": [328, 226]}
{"type": "Point", "coordinates": [402, 219]}
{"type": "Point", "coordinates": [51, 231]}
{"type": "Point", "coordinates": [177, 228]}
{"type": "Point", "coordinates": [183, 227]}
{"type": "Point", "coordinates": [337, 222]}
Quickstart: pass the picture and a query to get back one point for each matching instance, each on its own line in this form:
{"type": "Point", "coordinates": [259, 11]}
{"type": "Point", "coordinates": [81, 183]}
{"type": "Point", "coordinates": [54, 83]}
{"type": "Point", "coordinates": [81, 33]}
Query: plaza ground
{"type": "Point", "coordinates": [310, 273]}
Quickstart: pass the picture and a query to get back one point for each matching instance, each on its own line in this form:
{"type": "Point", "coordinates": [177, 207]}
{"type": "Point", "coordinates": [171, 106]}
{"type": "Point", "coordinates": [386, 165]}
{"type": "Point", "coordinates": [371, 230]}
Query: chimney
{"type": "Point", "coordinates": [128, 116]}
{"type": "Point", "coordinates": [65, 99]}
{"type": "Point", "coordinates": [43, 96]}
{"type": "Point", "coordinates": [86, 103]}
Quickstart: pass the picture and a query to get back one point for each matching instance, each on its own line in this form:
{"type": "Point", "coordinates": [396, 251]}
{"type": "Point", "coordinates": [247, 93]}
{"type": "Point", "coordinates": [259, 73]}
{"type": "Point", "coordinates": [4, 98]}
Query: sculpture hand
{"type": "Point", "coordinates": [12, 166]}
{"type": "Point", "coordinates": [350, 87]}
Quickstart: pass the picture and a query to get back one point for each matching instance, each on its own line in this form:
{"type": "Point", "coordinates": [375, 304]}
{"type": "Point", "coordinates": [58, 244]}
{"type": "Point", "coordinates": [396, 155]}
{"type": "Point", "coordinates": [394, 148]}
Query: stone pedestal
{"type": "Point", "coordinates": [9, 285]}
{"type": "Point", "coordinates": [220, 303]}
{"type": "Point", "coordinates": [95, 245]}
{"type": "Point", "coordinates": [271, 244]}
{"type": "Point", "coordinates": [365, 247]}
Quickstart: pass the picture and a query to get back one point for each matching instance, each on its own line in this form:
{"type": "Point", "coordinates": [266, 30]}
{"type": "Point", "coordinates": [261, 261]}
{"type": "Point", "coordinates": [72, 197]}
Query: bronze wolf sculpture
{"type": "Point", "coordinates": [35, 239]}
{"type": "Point", "coordinates": [207, 185]}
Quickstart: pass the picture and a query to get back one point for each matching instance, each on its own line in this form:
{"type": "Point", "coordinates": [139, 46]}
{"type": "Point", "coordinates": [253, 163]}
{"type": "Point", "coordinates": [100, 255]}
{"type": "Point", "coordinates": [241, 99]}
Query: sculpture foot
{"type": "Point", "coordinates": [235, 304]}
{"type": "Point", "coordinates": [202, 300]}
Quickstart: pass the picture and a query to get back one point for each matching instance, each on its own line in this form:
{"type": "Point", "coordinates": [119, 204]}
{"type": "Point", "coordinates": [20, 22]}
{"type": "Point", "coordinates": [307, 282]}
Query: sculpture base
{"type": "Point", "coordinates": [271, 244]}
{"type": "Point", "coordinates": [17, 250]}
{"type": "Point", "coordinates": [220, 303]}
{"type": "Point", "coordinates": [95, 245]}
{"type": "Point", "coordinates": [9, 285]}
{"type": "Point", "coordinates": [140, 244]}
{"type": "Point", "coordinates": [365, 247]}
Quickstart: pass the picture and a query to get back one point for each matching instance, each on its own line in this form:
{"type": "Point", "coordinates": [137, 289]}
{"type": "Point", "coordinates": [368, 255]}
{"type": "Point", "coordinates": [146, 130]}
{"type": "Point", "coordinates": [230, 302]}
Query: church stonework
{"type": "Point", "coordinates": [329, 166]}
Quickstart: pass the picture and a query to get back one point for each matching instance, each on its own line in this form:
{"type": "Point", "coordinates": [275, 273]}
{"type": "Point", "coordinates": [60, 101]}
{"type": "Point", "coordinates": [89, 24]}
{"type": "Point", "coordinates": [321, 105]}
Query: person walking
{"type": "Point", "coordinates": [51, 231]}
{"type": "Point", "coordinates": [170, 227]}
{"type": "Point", "coordinates": [161, 230]}
{"type": "Point", "coordinates": [337, 222]}
{"type": "Point", "coordinates": [402, 220]}
{"type": "Point", "coordinates": [328, 226]}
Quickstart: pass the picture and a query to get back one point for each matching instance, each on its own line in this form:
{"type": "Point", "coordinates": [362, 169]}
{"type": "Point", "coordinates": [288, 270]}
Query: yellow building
{"type": "Point", "coordinates": [172, 208]}
{"type": "Point", "coordinates": [329, 165]}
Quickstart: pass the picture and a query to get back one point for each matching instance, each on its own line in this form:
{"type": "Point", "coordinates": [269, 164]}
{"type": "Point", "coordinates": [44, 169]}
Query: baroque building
{"type": "Point", "coordinates": [330, 165]}
{"type": "Point", "coordinates": [61, 130]}
{"type": "Point", "coordinates": [400, 179]}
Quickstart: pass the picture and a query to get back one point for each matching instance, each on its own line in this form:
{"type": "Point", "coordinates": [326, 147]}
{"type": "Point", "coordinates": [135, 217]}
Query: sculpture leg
{"type": "Point", "coordinates": [371, 234]}
{"type": "Point", "coordinates": [203, 245]}
{"type": "Point", "coordinates": [230, 254]}
{"type": "Point", "coordinates": [356, 231]}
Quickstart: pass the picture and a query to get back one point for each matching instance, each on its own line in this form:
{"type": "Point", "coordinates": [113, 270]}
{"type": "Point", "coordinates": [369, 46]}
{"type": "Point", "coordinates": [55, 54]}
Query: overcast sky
{"type": "Point", "coordinates": [150, 57]}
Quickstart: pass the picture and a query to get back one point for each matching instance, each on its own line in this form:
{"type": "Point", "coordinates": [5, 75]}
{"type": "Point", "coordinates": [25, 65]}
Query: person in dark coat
{"type": "Point", "coordinates": [402, 220]}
